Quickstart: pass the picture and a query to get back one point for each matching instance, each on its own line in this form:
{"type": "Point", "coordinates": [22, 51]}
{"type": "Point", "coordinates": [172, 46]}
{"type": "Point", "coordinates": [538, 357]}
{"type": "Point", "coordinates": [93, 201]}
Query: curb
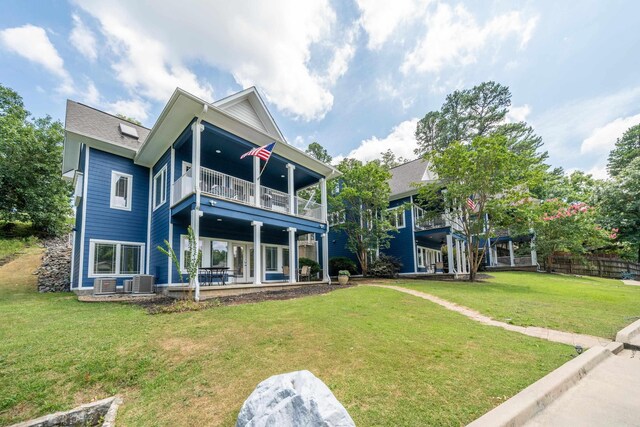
{"type": "Point", "coordinates": [629, 333]}
{"type": "Point", "coordinates": [533, 399]}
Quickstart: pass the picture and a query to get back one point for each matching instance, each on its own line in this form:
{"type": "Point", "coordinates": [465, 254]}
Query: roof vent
{"type": "Point", "coordinates": [128, 131]}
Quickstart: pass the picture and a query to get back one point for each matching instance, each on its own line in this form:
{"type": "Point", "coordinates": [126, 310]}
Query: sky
{"type": "Point", "coordinates": [354, 76]}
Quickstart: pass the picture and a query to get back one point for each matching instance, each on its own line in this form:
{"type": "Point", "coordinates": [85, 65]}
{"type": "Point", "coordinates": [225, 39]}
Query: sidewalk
{"type": "Point", "coordinates": [608, 396]}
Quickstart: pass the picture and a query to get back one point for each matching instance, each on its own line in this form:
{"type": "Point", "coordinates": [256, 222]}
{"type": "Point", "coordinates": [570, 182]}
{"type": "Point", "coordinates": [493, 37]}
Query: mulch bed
{"type": "Point", "coordinates": [171, 305]}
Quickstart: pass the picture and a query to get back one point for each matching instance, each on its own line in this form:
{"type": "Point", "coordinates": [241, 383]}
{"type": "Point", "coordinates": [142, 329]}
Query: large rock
{"type": "Point", "coordinates": [293, 399]}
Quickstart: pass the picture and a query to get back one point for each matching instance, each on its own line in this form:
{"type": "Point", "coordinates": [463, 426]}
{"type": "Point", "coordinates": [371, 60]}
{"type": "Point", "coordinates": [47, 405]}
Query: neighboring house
{"type": "Point", "coordinates": [424, 243]}
{"type": "Point", "coordinates": [135, 188]}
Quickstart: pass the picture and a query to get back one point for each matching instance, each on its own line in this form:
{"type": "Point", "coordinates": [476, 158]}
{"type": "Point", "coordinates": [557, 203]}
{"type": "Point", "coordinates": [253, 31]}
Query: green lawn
{"type": "Point", "coordinates": [587, 305]}
{"type": "Point", "coordinates": [390, 358]}
{"type": "Point", "coordinates": [15, 238]}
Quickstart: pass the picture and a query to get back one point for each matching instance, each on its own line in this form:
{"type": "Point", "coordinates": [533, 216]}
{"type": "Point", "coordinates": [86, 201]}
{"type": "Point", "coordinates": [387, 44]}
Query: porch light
{"type": "Point", "coordinates": [218, 151]}
{"type": "Point", "coordinates": [281, 176]}
{"type": "Point", "coordinates": [219, 219]}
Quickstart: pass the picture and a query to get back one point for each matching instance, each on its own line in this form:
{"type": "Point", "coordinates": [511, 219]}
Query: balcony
{"type": "Point", "coordinates": [222, 186]}
{"type": "Point", "coordinates": [423, 221]}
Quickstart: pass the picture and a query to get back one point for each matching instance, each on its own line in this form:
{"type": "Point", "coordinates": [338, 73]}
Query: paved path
{"type": "Point", "coordinates": [607, 396]}
{"type": "Point", "coordinates": [631, 282]}
{"type": "Point", "coordinates": [544, 333]}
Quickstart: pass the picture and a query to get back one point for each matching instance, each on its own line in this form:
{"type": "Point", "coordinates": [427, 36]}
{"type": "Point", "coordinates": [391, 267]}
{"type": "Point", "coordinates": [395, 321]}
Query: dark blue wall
{"type": "Point", "coordinates": [401, 243]}
{"type": "Point", "coordinates": [103, 222]}
{"type": "Point", "coordinates": [158, 264]}
{"type": "Point", "coordinates": [78, 226]}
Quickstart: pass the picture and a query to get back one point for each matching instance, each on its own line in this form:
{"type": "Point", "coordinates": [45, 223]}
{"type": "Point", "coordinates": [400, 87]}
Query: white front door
{"type": "Point", "coordinates": [243, 262]}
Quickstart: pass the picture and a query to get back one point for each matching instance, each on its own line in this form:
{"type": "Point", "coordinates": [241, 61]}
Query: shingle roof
{"type": "Point", "coordinates": [96, 124]}
{"type": "Point", "coordinates": [403, 176]}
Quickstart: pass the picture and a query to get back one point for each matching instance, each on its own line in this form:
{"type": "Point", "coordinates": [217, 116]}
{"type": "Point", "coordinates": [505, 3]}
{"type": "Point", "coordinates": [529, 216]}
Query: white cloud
{"type": "Point", "coordinates": [401, 140]}
{"type": "Point", "coordinates": [83, 39]}
{"type": "Point", "coordinates": [32, 43]}
{"type": "Point", "coordinates": [518, 114]}
{"type": "Point", "coordinates": [267, 44]}
{"type": "Point", "coordinates": [454, 38]}
{"type": "Point", "coordinates": [135, 108]}
{"type": "Point", "coordinates": [380, 19]}
{"type": "Point", "coordinates": [603, 138]}
{"type": "Point", "coordinates": [599, 171]}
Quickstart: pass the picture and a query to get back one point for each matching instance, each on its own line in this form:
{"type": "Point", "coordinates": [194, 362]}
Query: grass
{"type": "Point", "coordinates": [15, 238]}
{"type": "Point", "coordinates": [390, 358]}
{"type": "Point", "coordinates": [587, 305]}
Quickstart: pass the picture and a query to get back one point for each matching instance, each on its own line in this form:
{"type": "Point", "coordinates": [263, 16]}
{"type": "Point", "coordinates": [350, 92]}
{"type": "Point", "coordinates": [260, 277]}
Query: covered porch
{"type": "Point", "coordinates": [441, 251]}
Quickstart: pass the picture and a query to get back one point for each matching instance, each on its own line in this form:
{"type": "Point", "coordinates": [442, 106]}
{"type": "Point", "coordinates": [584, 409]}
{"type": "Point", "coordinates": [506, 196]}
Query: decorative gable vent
{"type": "Point", "coordinates": [128, 131]}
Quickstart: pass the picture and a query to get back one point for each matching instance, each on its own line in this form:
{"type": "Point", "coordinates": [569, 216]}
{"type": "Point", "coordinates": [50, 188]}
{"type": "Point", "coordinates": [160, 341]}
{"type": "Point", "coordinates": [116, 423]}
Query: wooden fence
{"type": "Point", "coordinates": [593, 266]}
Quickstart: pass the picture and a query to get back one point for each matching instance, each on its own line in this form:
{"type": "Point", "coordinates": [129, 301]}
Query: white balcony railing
{"type": "Point", "coordinates": [223, 186]}
{"type": "Point", "coordinates": [426, 222]}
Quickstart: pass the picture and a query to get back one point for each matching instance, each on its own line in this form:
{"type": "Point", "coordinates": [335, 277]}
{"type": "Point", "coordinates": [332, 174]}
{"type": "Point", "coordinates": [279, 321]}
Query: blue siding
{"type": "Point", "coordinates": [113, 224]}
{"type": "Point", "coordinates": [158, 264]}
{"type": "Point", "coordinates": [401, 243]}
{"type": "Point", "coordinates": [338, 246]}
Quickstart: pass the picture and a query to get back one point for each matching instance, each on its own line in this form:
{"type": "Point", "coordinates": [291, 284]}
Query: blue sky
{"type": "Point", "coordinates": [354, 76]}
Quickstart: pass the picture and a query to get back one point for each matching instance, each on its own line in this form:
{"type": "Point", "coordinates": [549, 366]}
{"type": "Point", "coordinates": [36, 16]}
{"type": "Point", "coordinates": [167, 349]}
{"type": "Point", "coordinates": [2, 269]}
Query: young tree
{"type": "Point", "coordinates": [318, 152]}
{"type": "Point", "coordinates": [627, 148]}
{"type": "Point", "coordinates": [364, 197]}
{"type": "Point", "coordinates": [31, 185]}
{"type": "Point", "coordinates": [495, 176]}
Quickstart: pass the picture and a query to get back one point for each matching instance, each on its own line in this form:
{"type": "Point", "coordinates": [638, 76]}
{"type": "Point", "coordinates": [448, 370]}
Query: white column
{"type": "Point", "coordinates": [464, 246]}
{"type": "Point", "coordinates": [459, 267]}
{"type": "Point", "coordinates": [292, 190]}
{"type": "Point", "coordinates": [195, 225]}
{"type": "Point", "coordinates": [513, 262]}
{"type": "Point", "coordinates": [325, 258]}
{"type": "Point", "coordinates": [292, 255]}
{"type": "Point", "coordinates": [494, 260]}
{"type": "Point", "coordinates": [450, 252]}
{"type": "Point", "coordinates": [256, 181]}
{"type": "Point", "coordinates": [534, 254]}
{"type": "Point", "coordinates": [323, 198]}
{"type": "Point", "coordinates": [195, 159]}
{"type": "Point", "coordinates": [257, 253]}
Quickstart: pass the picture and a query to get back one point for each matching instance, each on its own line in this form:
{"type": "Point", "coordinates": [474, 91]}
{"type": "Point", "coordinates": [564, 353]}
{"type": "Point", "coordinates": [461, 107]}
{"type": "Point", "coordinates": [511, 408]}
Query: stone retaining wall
{"type": "Point", "coordinates": [55, 272]}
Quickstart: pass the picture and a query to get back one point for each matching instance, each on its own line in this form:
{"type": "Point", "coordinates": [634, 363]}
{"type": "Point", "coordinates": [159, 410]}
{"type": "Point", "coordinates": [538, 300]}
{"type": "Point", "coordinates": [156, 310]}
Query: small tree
{"type": "Point", "coordinates": [192, 260]}
{"type": "Point", "coordinates": [495, 176]}
{"type": "Point", "coordinates": [364, 197]}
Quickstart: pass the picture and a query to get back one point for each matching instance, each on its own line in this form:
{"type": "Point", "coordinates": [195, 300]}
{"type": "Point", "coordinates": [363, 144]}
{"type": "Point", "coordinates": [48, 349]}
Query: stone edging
{"type": "Point", "coordinates": [628, 334]}
{"type": "Point", "coordinates": [105, 409]}
{"type": "Point", "coordinates": [533, 399]}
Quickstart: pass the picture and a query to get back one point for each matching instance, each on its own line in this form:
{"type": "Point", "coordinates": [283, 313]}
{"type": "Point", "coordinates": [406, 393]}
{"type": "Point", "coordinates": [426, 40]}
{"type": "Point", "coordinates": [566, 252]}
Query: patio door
{"type": "Point", "coordinates": [243, 264]}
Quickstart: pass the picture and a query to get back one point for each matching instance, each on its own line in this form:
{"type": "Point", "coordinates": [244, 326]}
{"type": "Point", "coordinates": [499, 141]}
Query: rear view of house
{"type": "Point", "coordinates": [137, 187]}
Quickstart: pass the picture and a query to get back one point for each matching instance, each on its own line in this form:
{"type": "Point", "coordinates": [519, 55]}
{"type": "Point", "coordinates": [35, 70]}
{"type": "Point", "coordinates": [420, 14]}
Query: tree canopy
{"type": "Point", "coordinates": [318, 152]}
{"type": "Point", "coordinates": [627, 148]}
{"type": "Point", "coordinates": [31, 184]}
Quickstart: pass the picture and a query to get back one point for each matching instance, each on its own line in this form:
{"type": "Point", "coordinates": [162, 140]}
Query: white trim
{"type": "Point", "coordinates": [413, 238]}
{"type": "Point", "coordinates": [84, 217]}
{"type": "Point", "coordinates": [92, 243]}
{"type": "Point", "coordinates": [171, 174]}
{"type": "Point", "coordinates": [184, 166]}
{"type": "Point", "coordinates": [73, 259]}
{"type": "Point", "coordinates": [149, 210]}
{"type": "Point", "coordinates": [114, 177]}
{"type": "Point", "coordinates": [399, 212]}
{"type": "Point", "coordinates": [163, 182]}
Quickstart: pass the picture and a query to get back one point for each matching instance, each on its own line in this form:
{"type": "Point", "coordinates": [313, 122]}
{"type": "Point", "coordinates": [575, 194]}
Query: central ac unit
{"type": "Point", "coordinates": [142, 284]}
{"type": "Point", "coordinates": [104, 286]}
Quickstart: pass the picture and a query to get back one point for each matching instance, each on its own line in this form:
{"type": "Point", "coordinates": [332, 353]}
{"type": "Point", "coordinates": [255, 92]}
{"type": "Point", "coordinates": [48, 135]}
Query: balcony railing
{"type": "Point", "coordinates": [425, 222]}
{"type": "Point", "coordinates": [223, 186]}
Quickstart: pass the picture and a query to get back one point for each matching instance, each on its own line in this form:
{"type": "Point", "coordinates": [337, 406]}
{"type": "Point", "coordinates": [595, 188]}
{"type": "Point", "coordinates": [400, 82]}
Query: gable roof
{"type": "Point", "coordinates": [248, 106]}
{"type": "Point", "coordinates": [98, 129]}
{"type": "Point", "coordinates": [403, 176]}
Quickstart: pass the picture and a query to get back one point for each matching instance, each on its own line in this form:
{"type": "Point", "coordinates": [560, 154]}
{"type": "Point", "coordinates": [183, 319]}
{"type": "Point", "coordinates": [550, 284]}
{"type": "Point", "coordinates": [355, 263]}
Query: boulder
{"type": "Point", "coordinates": [293, 399]}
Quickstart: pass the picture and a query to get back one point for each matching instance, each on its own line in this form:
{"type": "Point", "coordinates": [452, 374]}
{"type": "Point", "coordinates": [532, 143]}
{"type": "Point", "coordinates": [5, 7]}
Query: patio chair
{"type": "Point", "coordinates": [305, 271]}
{"type": "Point", "coordinates": [285, 271]}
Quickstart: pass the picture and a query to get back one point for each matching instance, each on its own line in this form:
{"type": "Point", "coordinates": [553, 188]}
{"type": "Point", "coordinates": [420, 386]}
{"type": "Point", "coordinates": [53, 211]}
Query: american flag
{"type": "Point", "coordinates": [472, 205]}
{"type": "Point", "coordinates": [261, 152]}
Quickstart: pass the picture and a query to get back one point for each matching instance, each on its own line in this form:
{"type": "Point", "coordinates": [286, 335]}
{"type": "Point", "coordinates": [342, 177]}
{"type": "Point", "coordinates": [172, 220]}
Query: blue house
{"type": "Point", "coordinates": [137, 187]}
{"type": "Point", "coordinates": [426, 244]}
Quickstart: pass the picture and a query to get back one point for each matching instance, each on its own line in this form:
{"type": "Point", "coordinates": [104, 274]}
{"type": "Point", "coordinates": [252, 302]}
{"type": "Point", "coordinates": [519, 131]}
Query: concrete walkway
{"type": "Point", "coordinates": [607, 396]}
{"type": "Point", "coordinates": [569, 338]}
{"type": "Point", "coordinates": [631, 282]}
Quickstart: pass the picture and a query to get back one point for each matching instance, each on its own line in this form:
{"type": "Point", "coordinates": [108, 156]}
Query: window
{"type": "Point", "coordinates": [219, 251]}
{"type": "Point", "coordinates": [115, 258]}
{"type": "Point", "coordinates": [121, 184]}
{"type": "Point", "coordinates": [160, 188]}
{"type": "Point", "coordinates": [396, 217]}
{"type": "Point", "coordinates": [271, 258]}
{"type": "Point", "coordinates": [186, 253]}
{"type": "Point", "coordinates": [285, 257]}
{"type": "Point", "coordinates": [338, 217]}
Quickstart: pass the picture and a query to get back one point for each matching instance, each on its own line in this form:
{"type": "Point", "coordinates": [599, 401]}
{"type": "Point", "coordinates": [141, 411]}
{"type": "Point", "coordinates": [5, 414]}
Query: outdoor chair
{"type": "Point", "coordinates": [285, 272]}
{"type": "Point", "coordinates": [305, 271]}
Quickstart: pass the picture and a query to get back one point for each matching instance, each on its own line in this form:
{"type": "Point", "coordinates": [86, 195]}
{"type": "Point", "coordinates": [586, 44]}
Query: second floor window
{"type": "Point", "coordinates": [336, 218]}
{"type": "Point", "coordinates": [121, 185]}
{"type": "Point", "coordinates": [160, 188]}
{"type": "Point", "coordinates": [396, 217]}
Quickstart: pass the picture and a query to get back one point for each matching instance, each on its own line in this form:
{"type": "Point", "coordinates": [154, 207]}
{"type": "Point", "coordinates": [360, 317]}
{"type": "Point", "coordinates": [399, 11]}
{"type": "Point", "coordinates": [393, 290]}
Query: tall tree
{"type": "Point", "coordinates": [621, 204]}
{"type": "Point", "coordinates": [627, 148]}
{"type": "Point", "coordinates": [364, 197]}
{"type": "Point", "coordinates": [495, 176]}
{"type": "Point", "coordinates": [31, 185]}
{"type": "Point", "coordinates": [465, 114]}
{"type": "Point", "coordinates": [389, 160]}
{"type": "Point", "coordinates": [318, 152]}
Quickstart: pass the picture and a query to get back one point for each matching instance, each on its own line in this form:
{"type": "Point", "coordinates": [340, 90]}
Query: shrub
{"type": "Point", "coordinates": [315, 267]}
{"type": "Point", "coordinates": [385, 266]}
{"type": "Point", "coordinates": [342, 263]}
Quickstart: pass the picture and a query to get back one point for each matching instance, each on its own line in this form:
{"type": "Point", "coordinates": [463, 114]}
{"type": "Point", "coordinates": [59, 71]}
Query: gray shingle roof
{"type": "Point", "coordinates": [403, 176]}
{"type": "Point", "coordinates": [88, 121]}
